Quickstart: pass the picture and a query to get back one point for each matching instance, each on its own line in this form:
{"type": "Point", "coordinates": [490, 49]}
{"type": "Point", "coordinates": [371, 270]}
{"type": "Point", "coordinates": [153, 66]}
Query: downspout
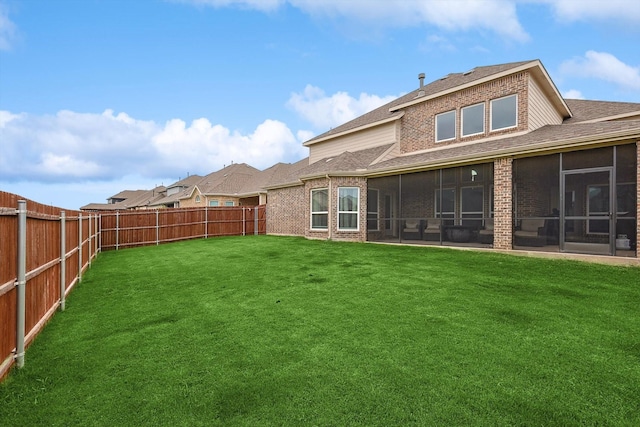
{"type": "Point", "coordinates": [330, 214]}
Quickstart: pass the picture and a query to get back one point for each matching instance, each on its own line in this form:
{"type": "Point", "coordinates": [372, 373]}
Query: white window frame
{"type": "Point", "coordinates": [197, 199]}
{"type": "Point", "coordinates": [455, 130]}
{"type": "Point", "coordinates": [371, 215]}
{"type": "Point", "coordinates": [355, 212]}
{"type": "Point", "coordinates": [325, 213]}
{"type": "Point", "coordinates": [214, 203]}
{"type": "Point", "coordinates": [229, 203]}
{"type": "Point", "coordinates": [481, 104]}
{"type": "Point", "coordinates": [515, 95]}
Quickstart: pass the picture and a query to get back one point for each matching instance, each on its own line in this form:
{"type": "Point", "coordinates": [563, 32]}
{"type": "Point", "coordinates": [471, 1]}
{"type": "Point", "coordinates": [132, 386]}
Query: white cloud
{"type": "Point", "coordinates": [497, 16]}
{"type": "Point", "coordinates": [573, 94]}
{"type": "Point", "coordinates": [325, 112]}
{"type": "Point", "coordinates": [603, 66]}
{"type": "Point", "coordinates": [71, 147]}
{"type": "Point", "coordinates": [7, 29]}
{"type": "Point", "coordinates": [596, 10]}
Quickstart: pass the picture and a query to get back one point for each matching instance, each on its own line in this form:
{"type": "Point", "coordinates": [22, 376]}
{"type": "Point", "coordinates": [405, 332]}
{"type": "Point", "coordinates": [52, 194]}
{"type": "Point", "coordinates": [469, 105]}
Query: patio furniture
{"type": "Point", "coordinates": [531, 233]}
{"type": "Point", "coordinates": [485, 235]}
{"type": "Point", "coordinates": [459, 233]}
{"type": "Point", "coordinates": [432, 230]}
{"type": "Point", "coordinates": [412, 229]}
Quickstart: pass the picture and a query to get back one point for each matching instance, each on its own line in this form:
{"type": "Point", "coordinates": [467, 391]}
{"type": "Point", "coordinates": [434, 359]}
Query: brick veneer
{"type": "Point", "coordinates": [286, 211]}
{"type": "Point", "coordinates": [354, 236]}
{"type": "Point", "coordinates": [503, 203]}
{"type": "Point", "coordinates": [418, 123]}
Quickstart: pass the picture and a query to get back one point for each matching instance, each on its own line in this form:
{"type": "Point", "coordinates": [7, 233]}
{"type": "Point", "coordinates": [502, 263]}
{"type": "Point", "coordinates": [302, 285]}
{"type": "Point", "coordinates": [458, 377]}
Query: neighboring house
{"type": "Point", "coordinates": [128, 200]}
{"type": "Point", "coordinates": [492, 157]}
{"type": "Point", "coordinates": [174, 191]}
{"type": "Point", "coordinates": [234, 185]}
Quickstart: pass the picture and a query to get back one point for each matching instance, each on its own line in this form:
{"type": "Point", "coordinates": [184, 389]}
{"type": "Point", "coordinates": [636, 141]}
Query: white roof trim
{"type": "Point", "coordinates": [612, 118]}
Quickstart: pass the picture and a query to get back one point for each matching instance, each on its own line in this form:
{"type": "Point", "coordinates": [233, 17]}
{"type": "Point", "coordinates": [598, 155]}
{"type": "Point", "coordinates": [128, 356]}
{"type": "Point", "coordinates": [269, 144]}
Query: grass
{"type": "Point", "coordinates": [266, 330]}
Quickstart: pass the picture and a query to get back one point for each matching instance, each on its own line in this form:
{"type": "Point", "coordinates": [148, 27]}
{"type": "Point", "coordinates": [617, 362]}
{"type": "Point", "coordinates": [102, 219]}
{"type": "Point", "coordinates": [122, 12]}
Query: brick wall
{"type": "Point", "coordinates": [286, 211]}
{"type": "Point", "coordinates": [503, 203]}
{"type": "Point", "coordinates": [418, 123]}
{"type": "Point", "coordinates": [308, 186]}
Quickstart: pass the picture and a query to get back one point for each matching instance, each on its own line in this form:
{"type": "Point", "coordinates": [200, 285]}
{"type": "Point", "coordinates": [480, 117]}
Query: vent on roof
{"type": "Point", "coordinates": [466, 73]}
{"type": "Point", "coordinates": [421, 78]}
{"type": "Point", "coordinates": [329, 159]}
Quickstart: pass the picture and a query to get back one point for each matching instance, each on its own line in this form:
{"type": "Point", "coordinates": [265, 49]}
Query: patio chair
{"type": "Point", "coordinates": [485, 234]}
{"type": "Point", "coordinates": [432, 230]}
{"type": "Point", "coordinates": [412, 229]}
{"type": "Point", "coordinates": [531, 233]}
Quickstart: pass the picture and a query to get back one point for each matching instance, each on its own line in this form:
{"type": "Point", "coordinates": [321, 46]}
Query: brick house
{"type": "Point", "coordinates": [492, 157]}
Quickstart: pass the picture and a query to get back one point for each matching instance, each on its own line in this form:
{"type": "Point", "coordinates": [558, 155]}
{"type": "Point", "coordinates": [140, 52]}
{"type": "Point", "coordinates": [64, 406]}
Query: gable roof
{"type": "Point", "coordinates": [450, 83]}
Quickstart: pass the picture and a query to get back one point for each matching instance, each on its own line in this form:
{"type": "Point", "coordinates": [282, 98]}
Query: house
{"type": "Point", "coordinates": [174, 191]}
{"type": "Point", "coordinates": [234, 185]}
{"type": "Point", "coordinates": [128, 200]}
{"type": "Point", "coordinates": [492, 157]}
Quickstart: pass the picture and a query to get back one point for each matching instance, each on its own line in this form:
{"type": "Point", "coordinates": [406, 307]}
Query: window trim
{"type": "Point", "coordinates": [356, 212]}
{"type": "Point", "coordinates": [462, 110]}
{"type": "Point", "coordinates": [212, 205]}
{"type": "Point", "coordinates": [325, 213]}
{"type": "Point", "coordinates": [455, 130]}
{"type": "Point", "coordinates": [229, 203]}
{"type": "Point", "coordinates": [491, 128]}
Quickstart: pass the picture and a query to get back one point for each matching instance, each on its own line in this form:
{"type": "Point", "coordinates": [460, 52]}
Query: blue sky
{"type": "Point", "coordinates": [98, 96]}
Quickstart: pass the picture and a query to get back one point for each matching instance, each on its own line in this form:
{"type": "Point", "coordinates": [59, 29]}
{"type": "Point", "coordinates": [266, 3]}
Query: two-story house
{"type": "Point", "coordinates": [491, 157]}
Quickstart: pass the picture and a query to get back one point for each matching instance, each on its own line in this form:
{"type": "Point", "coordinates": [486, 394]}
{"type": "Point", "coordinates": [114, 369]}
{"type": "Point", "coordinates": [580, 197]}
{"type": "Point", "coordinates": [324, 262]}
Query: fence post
{"type": "Point", "coordinates": [89, 245]}
{"type": "Point", "coordinates": [22, 281]}
{"type": "Point", "coordinates": [157, 227]}
{"type": "Point", "coordinates": [206, 218]}
{"type": "Point", "coordinates": [99, 231]}
{"type": "Point", "coordinates": [63, 258]}
{"type": "Point", "coordinates": [79, 247]}
{"type": "Point", "coordinates": [244, 222]}
{"type": "Point", "coordinates": [255, 220]}
{"type": "Point", "coordinates": [117, 227]}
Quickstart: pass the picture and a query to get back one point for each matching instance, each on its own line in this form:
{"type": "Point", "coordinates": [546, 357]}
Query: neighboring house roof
{"type": "Point", "coordinates": [228, 181]}
{"type": "Point", "coordinates": [133, 199]}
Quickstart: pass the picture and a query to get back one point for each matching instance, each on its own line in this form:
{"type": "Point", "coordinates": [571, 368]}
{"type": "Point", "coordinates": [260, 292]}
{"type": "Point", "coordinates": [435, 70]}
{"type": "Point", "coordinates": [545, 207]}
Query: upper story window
{"type": "Point", "coordinates": [446, 126]}
{"type": "Point", "coordinates": [214, 203]}
{"type": "Point", "coordinates": [229, 203]}
{"type": "Point", "coordinates": [504, 112]}
{"type": "Point", "coordinates": [320, 209]}
{"type": "Point", "coordinates": [473, 120]}
{"type": "Point", "coordinates": [197, 199]}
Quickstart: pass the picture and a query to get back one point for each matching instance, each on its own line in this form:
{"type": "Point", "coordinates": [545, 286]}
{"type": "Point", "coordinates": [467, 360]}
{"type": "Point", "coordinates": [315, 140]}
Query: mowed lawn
{"type": "Point", "coordinates": [265, 330]}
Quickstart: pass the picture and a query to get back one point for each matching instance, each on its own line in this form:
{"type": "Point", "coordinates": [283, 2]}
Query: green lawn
{"type": "Point", "coordinates": [265, 330]}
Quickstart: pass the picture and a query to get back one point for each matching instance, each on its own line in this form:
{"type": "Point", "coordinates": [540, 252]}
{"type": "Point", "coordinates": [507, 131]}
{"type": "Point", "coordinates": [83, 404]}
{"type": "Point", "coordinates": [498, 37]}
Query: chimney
{"type": "Point", "coordinates": [421, 78]}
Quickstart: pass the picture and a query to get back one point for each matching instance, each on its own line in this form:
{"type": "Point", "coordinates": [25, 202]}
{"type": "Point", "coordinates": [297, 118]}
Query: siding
{"type": "Point", "coordinates": [541, 111]}
{"type": "Point", "coordinates": [368, 138]}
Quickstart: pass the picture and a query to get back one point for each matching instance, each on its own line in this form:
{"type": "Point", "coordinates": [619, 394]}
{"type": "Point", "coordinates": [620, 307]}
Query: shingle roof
{"type": "Point", "coordinates": [584, 110]}
{"type": "Point", "coordinates": [546, 137]}
{"type": "Point", "coordinates": [443, 84]}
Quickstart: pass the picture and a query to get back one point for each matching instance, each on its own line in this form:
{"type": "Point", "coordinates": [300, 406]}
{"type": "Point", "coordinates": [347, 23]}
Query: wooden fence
{"type": "Point", "coordinates": [127, 229]}
{"type": "Point", "coordinates": [44, 251]}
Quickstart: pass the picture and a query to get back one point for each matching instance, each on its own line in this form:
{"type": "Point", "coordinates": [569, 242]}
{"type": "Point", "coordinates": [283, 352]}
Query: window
{"type": "Point", "coordinates": [448, 208]}
{"type": "Point", "coordinates": [348, 200]}
{"type": "Point", "coordinates": [197, 199]}
{"type": "Point", "coordinates": [229, 203]}
{"type": "Point", "coordinates": [473, 120]}
{"type": "Point", "coordinates": [472, 206]}
{"type": "Point", "coordinates": [504, 112]}
{"type": "Point", "coordinates": [372, 210]}
{"type": "Point", "coordinates": [214, 203]}
{"type": "Point", "coordinates": [446, 126]}
{"type": "Point", "coordinates": [320, 209]}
